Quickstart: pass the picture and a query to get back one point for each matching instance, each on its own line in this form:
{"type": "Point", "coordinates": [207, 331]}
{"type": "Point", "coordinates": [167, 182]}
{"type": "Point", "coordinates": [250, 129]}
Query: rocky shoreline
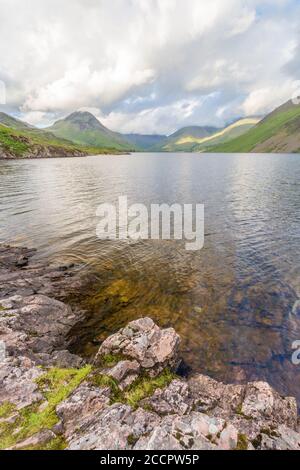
{"type": "Point", "coordinates": [129, 396]}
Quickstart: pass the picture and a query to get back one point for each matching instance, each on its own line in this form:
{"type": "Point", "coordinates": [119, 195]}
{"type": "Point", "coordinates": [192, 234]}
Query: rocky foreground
{"type": "Point", "coordinates": [129, 397]}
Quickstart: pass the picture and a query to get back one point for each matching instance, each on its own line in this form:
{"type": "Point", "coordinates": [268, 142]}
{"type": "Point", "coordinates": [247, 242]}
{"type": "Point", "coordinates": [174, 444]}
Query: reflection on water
{"type": "Point", "coordinates": [234, 303]}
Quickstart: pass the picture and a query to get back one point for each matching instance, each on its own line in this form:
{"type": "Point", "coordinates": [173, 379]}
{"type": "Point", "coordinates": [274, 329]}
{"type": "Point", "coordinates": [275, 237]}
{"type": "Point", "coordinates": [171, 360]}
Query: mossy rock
{"type": "Point", "coordinates": [56, 385]}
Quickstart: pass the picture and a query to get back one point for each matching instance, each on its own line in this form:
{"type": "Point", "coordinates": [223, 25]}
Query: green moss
{"type": "Point", "coordinates": [141, 388]}
{"type": "Point", "coordinates": [242, 443]}
{"type": "Point", "coordinates": [2, 308]}
{"type": "Point", "coordinates": [102, 380]}
{"type": "Point", "coordinates": [145, 386]}
{"type": "Point", "coordinates": [110, 360]}
{"type": "Point", "coordinates": [56, 385]}
{"type": "Point", "coordinates": [240, 412]}
{"type": "Point", "coordinates": [6, 409]}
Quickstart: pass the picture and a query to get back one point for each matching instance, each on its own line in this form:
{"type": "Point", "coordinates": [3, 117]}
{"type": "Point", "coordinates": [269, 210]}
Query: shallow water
{"type": "Point", "coordinates": [235, 303]}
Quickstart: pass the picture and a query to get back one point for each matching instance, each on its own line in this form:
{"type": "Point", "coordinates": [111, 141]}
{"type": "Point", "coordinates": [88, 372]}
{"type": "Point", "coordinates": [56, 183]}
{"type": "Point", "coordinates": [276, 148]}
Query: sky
{"type": "Point", "coordinates": [148, 66]}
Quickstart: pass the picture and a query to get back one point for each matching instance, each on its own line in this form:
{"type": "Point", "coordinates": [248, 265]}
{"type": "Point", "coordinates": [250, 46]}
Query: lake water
{"type": "Point", "coordinates": [235, 303]}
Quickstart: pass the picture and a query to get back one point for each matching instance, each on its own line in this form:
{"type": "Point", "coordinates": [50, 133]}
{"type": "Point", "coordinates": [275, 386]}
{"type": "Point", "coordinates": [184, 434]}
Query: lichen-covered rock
{"type": "Point", "coordinates": [174, 399]}
{"type": "Point", "coordinates": [117, 427]}
{"type": "Point", "coordinates": [44, 321]}
{"type": "Point", "coordinates": [18, 382]}
{"type": "Point", "coordinates": [125, 372]}
{"type": "Point", "coordinates": [153, 348]}
{"type": "Point", "coordinates": [79, 408]}
{"type": "Point", "coordinates": [249, 408]}
{"type": "Point", "coordinates": [194, 431]}
{"type": "Point", "coordinates": [261, 402]}
{"type": "Point", "coordinates": [209, 395]}
{"type": "Point", "coordinates": [282, 438]}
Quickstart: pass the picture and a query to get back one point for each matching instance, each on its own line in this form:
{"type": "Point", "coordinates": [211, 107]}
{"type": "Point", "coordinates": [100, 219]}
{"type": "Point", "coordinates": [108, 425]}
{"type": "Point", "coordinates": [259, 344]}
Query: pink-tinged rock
{"type": "Point", "coordinates": [80, 407]}
{"type": "Point", "coordinates": [261, 402]}
{"type": "Point", "coordinates": [125, 372]}
{"type": "Point", "coordinates": [18, 382]}
{"type": "Point", "coordinates": [142, 340]}
{"type": "Point", "coordinates": [174, 399]}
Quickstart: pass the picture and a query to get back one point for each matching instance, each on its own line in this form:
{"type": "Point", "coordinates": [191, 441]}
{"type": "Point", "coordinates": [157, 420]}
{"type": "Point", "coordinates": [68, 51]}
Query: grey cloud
{"type": "Point", "coordinates": [148, 65]}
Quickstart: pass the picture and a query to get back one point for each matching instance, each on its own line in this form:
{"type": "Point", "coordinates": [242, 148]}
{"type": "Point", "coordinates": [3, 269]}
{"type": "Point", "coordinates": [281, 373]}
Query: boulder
{"type": "Point", "coordinates": [142, 340]}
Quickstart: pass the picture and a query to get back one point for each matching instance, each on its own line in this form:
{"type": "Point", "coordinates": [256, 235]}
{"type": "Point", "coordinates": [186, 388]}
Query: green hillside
{"type": "Point", "coordinates": [20, 140]}
{"type": "Point", "coordinates": [279, 132]}
{"type": "Point", "coordinates": [200, 139]}
{"type": "Point", "coordinates": [179, 141]}
{"type": "Point", "coordinates": [84, 129]}
{"type": "Point", "coordinates": [14, 123]}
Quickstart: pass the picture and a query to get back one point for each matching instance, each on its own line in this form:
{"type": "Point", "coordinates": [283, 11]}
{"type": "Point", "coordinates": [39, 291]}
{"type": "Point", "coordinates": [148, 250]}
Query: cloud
{"type": "Point", "coordinates": [148, 65]}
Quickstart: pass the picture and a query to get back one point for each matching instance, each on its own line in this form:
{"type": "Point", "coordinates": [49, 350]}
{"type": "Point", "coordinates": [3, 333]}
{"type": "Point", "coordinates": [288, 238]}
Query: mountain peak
{"type": "Point", "coordinates": [84, 120]}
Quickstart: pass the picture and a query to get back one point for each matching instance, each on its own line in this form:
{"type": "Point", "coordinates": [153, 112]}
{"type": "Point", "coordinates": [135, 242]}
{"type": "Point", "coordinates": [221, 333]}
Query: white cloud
{"type": "Point", "coordinates": [138, 61]}
{"type": "Point", "coordinates": [260, 101]}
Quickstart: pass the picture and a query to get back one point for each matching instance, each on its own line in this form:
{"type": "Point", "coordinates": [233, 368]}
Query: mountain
{"type": "Point", "coordinates": [83, 128]}
{"type": "Point", "coordinates": [278, 132]}
{"type": "Point", "coordinates": [236, 129]}
{"type": "Point", "coordinates": [176, 142]}
{"type": "Point", "coordinates": [200, 139]}
{"type": "Point", "coordinates": [20, 140]}
{"type": "Point", "coordinates": [12, 122]}
{"type": "Point", "coordinates": [145, 142]}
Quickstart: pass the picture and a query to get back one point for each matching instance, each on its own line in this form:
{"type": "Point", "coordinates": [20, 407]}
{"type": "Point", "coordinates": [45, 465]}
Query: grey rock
{"type": "Point", "coordinates": [174, 399]}
{"type": "Point", "coordinates": [108, 431]}
{"type": "Point", "coordinates": [46, 323]}
{"type": "Point", "coordinates": [18, 382]}
{"type": "Point", "coordinates": [80, 408]}
{"type": "Point", "coordinates": [195, 431]}
{"type": "Point", "coordinates": [153, 348]}
{"type": "Point", "coordinates": [282, 438]}
{"type": "Point", "coordinates": [261, 402]}
{"type": "Point", "coordinates": [116, 427]}
{"type": "Point", "coordinates": [125, 372]}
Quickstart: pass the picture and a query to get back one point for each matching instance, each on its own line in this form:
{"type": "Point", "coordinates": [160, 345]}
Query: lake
{"type": "Point", "coordinates": [235, 303]}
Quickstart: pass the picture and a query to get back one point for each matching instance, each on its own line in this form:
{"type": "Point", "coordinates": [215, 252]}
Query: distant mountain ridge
{"type": "Point", "coordinates": [81, 133]}
{"type": "Point", "coordinates": [199, 139]}
{"type": "Point", "coordinates": [145, 141]}
{"type": "Point", "coordinates": [169, 144]}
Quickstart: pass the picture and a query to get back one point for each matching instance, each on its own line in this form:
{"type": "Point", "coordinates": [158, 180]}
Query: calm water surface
{"type": "Point", "coordinates": [235, 303]}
